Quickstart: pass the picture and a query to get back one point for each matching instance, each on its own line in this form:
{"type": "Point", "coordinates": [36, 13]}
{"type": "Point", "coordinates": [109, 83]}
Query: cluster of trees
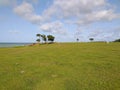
{"type": "Point", "coordinates": [45, 38]}
{"type": "Point", "coordinates": [117, 40]}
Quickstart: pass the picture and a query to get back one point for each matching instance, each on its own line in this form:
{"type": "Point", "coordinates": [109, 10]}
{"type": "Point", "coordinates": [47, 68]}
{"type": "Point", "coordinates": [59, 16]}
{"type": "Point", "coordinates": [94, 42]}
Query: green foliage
{"type": "Point", "coordinates": [77, 39]}
{"type": "Point", "coordinates": [66, 66]}
{"type": "Point", "coordinates": [44, 38]}
{"type": "Point", "coordinates": [117, 40]}
{"type": "Point", "coordinates": [50, 38]}
{"type": "Point", "coordinates": [38, 40]}
{"type": "Point", "coordinates": [91, 39]}
{"type": "Point", "coordinates": [38, 35]}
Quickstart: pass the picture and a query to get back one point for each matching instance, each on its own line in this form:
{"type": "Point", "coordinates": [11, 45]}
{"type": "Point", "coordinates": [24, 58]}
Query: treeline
{"type": "Point", "coordinates": [117, 40]}
{"type": "Point", "coordinates": [46, 39]}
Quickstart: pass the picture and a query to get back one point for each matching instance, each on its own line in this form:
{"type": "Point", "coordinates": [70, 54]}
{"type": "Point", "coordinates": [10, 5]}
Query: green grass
{"type": "Point", "coordinates": [65, 66]}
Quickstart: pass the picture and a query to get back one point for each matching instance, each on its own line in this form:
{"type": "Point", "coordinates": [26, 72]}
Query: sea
{"type": "Point", "coordinates": [3, 45]}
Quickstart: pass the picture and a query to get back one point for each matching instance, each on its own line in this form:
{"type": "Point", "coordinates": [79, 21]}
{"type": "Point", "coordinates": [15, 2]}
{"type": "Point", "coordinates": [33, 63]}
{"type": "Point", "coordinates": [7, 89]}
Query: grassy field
{"type": "Point", "coordinates": [65, 66]}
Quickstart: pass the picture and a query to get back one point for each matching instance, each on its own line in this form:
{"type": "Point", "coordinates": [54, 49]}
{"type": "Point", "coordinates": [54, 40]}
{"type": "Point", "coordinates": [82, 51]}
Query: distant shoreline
{"type": "Point", "coordinates": [12, 44]}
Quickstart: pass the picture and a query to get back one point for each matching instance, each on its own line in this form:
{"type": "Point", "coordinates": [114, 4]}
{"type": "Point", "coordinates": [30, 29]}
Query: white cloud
{"type": "Point", "coordinates": [14, 31]}
{"type": "Point", "coordinates": [105, 34]}
{"type": "Point", "coordinates": [81, 11]}
{"type": "Point", "coordinates": [35, 1]}
{"type": "Point", "coordinates": [78, 12]}
{"type": "Point", "coordinates": [73, 8]}
{"type": "Point", "coordinates": [54, 27]}
{"type": "Point", "coordinates": [4, 2]}
{"type": "Point", "coordinates": [26, 11]}
{"type": "Point", "coordinates": [103, 15]}
{"type": "Point", "coordinates": [32, 1]}
{"type": "Point", "coordinates": [7, 2]}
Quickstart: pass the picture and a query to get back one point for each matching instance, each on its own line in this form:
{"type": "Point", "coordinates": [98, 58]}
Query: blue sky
{"type": "Point", "coordinates": [21, 20]}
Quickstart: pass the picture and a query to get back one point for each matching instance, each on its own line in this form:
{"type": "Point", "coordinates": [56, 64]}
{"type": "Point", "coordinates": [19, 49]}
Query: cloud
{"type": "Point", "coordinates": [7, 2]}
{"type": "Point", "coordinates": [81, 12]}
{"type": "Point", "coordinates": [4, 2]}
{"type": "Point", "coordinates": [32, 1]}
{"type": "Point", "coordinates": [26, 11]}
{"type": "Point", "coordinates": [78, 12]}
{"type": "Point", "coordinates": [54, 27]}
{"type": "Point", "coordinates": [14, 31]}
{"type": "Point", "coordinates": [35, 1]}
{"type": "Point", "coordinates": [105, 34]}
{"type": "Point", "coordinates": [73, 8]}
{"type": "Point", "coordinates": [97, 16]}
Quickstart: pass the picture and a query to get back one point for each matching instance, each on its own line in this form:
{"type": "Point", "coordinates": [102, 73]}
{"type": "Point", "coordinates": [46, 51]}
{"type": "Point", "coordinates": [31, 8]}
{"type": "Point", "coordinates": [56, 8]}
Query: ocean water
{"type": "Point", "coordinates": [13, 44]}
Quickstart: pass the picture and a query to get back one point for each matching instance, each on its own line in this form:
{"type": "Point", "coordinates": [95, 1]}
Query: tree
{"type": "Point", "coordinates": [91, 39]}
{"type": "Point", "coordinates": [38, 35]}
{"type": "Point", "coordinates": [50, 38]}
{"type": "Point", "coordinates": [77, 39]}
{"type": "Point", "coordinates": [38, 40]}
{"type": "Point", "coordinates": [117, 40]}
{"type": "Point", "coordinates": [44, 38]}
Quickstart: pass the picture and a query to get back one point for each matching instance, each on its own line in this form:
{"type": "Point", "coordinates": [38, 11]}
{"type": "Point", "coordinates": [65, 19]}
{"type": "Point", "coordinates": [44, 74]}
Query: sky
{"type": "Point", "coordinates": [67, 20]}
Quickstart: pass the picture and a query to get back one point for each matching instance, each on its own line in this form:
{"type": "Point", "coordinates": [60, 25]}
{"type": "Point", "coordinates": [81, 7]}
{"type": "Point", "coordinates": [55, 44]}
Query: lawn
{"type": "Point", "coordinates": [61, 66]}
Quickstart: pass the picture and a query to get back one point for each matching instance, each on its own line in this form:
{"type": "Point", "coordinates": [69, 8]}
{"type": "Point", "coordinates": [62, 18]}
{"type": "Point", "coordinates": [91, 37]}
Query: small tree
{"type": "Point", "coordinates": [44, 38]}
{"type": "Point", "coordinates": [38, 40]}
{"type": "Point", "coordinates": [38, 35]}
{"type": "Point", "coordinates": [91, 39]}
{"type": "Point", "coordinates": [50, 38]}
{"type": "Point", "coordinates": [77, 39]}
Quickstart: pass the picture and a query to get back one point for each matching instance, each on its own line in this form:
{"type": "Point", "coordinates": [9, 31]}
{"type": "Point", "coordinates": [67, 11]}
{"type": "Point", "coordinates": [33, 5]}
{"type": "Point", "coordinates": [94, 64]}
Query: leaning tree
{"type": "Point", "coordinates": [38, 35]}
{"type": "Point", "coordinates": [44, 38]}
{"type": "Point", "coordinates": [38, 40]}
{"type": "Point", "coordinates": [51, 38]}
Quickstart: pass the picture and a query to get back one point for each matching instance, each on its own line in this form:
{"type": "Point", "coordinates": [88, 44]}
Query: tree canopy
{"type": "Point", "coordinates": [117, 40]}
{"type": "Point", "coordinates": [38, 40]}
{"type": "Point", "coordinates": [45, 38]}
{"type": "Point", "coordinates": [50, 38]}
{"type": "Point", "coordinates": [91, 39]}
